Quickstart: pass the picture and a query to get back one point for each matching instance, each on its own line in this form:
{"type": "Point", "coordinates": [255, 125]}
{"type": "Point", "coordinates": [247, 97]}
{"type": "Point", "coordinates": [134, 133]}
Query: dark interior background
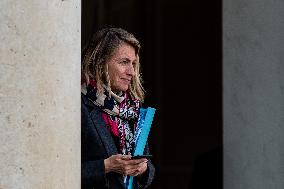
{"type": "Point", "coordinates": [182, 69]}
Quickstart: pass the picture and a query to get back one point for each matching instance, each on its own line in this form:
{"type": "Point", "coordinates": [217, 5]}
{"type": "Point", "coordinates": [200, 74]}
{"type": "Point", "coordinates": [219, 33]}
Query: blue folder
{"type": "Point", "coordinates": [146, 116]}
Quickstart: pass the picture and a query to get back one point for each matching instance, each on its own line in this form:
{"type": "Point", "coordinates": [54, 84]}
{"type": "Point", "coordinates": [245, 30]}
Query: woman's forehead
{"type": "Point", "coordinates": [125, 51]}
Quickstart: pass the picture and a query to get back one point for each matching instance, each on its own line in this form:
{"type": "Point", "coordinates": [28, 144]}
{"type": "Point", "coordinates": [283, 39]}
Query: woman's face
{"type": "Point", "coordinates": [121, 67]}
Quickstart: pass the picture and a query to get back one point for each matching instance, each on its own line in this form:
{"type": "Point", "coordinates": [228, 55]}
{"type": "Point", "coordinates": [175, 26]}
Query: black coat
{"type": "Point", "coordinates": [97, 144]}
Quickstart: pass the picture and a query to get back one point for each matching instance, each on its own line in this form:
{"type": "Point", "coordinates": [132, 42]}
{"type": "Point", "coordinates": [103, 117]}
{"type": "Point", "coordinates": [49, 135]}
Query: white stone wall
{"type": "Point", "coordinates": [40, 45]}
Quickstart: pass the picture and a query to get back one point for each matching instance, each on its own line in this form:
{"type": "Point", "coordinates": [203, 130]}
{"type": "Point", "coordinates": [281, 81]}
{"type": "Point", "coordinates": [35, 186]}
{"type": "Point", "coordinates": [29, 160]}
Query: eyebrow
{"type": "Point", "coordinates": [124, 59]}
{"type": "Point", "coordinates": [127, 59]}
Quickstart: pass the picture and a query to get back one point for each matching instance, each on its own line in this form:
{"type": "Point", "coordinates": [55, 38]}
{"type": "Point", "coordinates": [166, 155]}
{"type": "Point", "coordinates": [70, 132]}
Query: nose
{"type": "Point", "coordinates": [131, 70]}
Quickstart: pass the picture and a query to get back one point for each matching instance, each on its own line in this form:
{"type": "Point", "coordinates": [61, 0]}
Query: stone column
{"type": "Point", "coordinates": [253, 101]}
{"type": "Point", "coordinates": [40, 94]}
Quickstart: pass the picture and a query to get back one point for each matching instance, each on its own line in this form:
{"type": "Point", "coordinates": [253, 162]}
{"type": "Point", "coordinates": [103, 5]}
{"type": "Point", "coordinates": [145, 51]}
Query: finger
{"type": "Point", "coordinates": [135, 173]}
{"type": "Point", "coordinates": [127, 169]}
{"type": "Point", "coordinates": [132, 172]}
{"type": "Point", "coordinates": [136, 169]}
{"type": "Point", "coordinates": [130, 169]}
{"type": "Point", "coordinates": [126, 157]}
{"type": "Point", "coordinates": [137, 161]}
{"type": "Point", "coordinates": [130, 162]}
{"type": "Point", "coordinates": [142, 168]}
{"type": "Point", "coordinates": [123, 167]}
{"type": "Point", "coordinates": [116, 157]}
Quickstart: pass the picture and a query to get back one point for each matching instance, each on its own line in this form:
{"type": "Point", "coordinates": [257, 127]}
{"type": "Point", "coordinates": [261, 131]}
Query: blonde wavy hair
{"type": "Point", "coordinates": [100, 49]}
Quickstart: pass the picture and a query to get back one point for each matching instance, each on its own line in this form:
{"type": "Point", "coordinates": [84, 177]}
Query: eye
{"type": "Point", "coordinates": [123, 62]}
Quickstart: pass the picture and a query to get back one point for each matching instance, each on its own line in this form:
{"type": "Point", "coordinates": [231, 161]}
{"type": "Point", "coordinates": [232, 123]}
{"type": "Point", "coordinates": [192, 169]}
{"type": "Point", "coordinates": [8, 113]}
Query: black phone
{"type": "Point", "coordinates": [141, 156]}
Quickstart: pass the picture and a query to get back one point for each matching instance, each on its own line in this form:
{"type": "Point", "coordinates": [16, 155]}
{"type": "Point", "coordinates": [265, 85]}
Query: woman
{"type": "Point", "coordinates": [111, 97]}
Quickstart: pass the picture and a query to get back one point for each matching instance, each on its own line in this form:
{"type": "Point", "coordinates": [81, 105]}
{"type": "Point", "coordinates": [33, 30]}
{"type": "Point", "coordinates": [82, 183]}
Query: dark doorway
{"type": "Point", "coordinates": [182, 68]}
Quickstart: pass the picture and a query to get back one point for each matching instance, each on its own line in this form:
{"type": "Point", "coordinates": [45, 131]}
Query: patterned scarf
{"type": "Point", "coordinates": [120, 114]}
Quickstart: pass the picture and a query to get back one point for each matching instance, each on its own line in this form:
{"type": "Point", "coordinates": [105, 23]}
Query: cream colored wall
{"type": "Point", "coordinates": [40, 94]}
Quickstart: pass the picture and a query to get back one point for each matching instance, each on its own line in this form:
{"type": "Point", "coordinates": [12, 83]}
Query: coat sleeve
{"type": "Point", "coordinates": [92, 170]}
{"type": "Point", "coordinates": [146, 179]}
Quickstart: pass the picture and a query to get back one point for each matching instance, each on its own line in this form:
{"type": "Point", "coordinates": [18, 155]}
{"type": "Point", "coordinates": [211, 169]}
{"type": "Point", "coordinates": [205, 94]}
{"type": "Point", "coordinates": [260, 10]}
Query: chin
{"type": "Point", "coordinates": [124, 89]}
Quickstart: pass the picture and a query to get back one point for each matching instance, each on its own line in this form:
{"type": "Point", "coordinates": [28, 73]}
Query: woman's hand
{"type": "Point", "coordinates": [123, 164]}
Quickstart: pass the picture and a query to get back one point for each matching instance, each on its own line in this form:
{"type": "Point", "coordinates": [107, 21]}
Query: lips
{"type": "Point", "coordinates": [126, 80]}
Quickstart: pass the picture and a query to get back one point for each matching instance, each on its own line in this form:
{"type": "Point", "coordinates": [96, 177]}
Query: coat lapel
{"type": "Point", "coordinates": [101, 128]}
